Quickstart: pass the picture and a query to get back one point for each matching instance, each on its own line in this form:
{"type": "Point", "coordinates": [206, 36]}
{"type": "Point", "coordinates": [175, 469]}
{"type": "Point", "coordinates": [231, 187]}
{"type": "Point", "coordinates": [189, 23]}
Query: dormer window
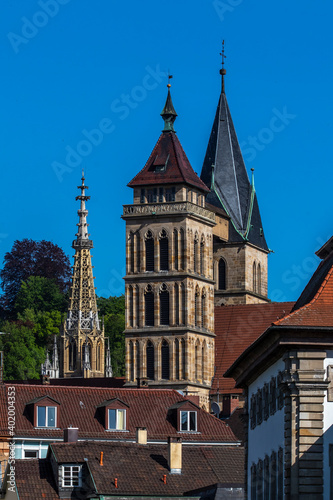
{"type": "Point", "coordinates": [116, 413]}
{"type": "Point", "coordinates": [188, 421]}
{"type": "Point", "coordinates": [116, 420]}
{"type": "Point", "coordinates": [71, 476]}
{"type": "Point", "coordinates": [46, 416]}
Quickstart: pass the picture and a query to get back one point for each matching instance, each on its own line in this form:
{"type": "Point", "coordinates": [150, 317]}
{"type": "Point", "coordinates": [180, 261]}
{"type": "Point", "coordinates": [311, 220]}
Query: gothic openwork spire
{"type": "Point", "coordinates": [82, 236]}
{"type": "Point", "coordinates": [169, 114]}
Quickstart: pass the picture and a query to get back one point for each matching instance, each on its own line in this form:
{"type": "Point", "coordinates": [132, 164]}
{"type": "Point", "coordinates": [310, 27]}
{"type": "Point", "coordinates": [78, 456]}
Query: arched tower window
{"type": "Point", "coordinates": [196, 307]}
{"type": "Point", "coordinates": [149, 306]}
{"type": "Point", "coordinates": [203, 309]}
{"type": "Point", "coordinates": [195, 253]}
{"type": "Point", "coordinates": [254, 277]}
{"type": "Point", "coordinates": [182, 350]}
{"type": "Point", "coordinates": [132, 360]}
{"type": "Point", "coordinates": [196, 361]}
{"type": "Point", "coordinates": [164, 251]}
{"type": "Point", "coordinates": [165, 360]}
{"type": "Point", "coordinates": [149, 244]}
{"type": "Point", "coordinates": [202, 256]}
{"type": "Point", "coordinates": [131, 252]}
{"type": "Point", "coordinates": [222, 275]}
{"type": "Point", "coordinates": [164, 305]}
{"type": "Point", "coordinates": [182, 303]}
{"type": "Point", "coordinates": [138, 252]}
{"type": "Point", "coordinates": [177, 359]}
{"type": "Point", "coordinates": [203, 361]}
{"type": "Point", "coordinates": [259, 279]}
{"type": "Point", "coordinates": [131, 303]}
{"type": "Point", "coordinates": [182, 248]}
{"type": "Point", "coordinates": [137, 345]}
{"type": "Point", "coordinates": [176, 296]}
{"type": "Point", "coordinates": [150, 360]}
{"type": "Point", "coordinates": [175, 249]}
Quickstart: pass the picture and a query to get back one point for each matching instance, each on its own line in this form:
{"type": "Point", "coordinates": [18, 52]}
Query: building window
{"type": "Point", "coordinates": [202, 257]}
{"type": "Point", "coordinates": [183, 365]}
{"type": "Point", "coordinates": [138, 253]}
{"type": "Point", "coordinates": [182, 248]}
{"type": "Point", "coordinates": [164, 305]}
{"type": "Point", "coordinates": [150, 361]}
{"type": "Point", "coordinates": [177, 375]}
{"type": "Point", "coordinates": [176, 301]}
{"type": "Point", "coordinates": [203, 361]}
{"type": "Point", "coordinates": [170, 194]}
{"type": "Point", "coordinates": [137, 309]}
{"type": "Point", "coordinates": [131, 238]}
{"type": "Point", "coordinates": [279, 392]}
{"type": "Point", "coordinates": [259, 407]}
{"type": "Point", "coordinates": [149, 243]}
{"type": "Point", "coordinates": [46, 416]}
{"type": "Point", "coordinates": [266, 401]}
{"type": "Point", "coordinates": [132, 360]}
{"type": "Point", "coordinates": [149, 306]}
{"type": "Point", "coordinates": [160, 195]}
{"type": "Point", "coordinates": [280, 474]}
{"type": "Point", "coordinates": [188, 421]}
{"type": "Point", "coordinates": [203, 309]}
{"type": "Point", "coordinates": [71, 476]}
{"type": "Point", "coordinates": [142, 196]}
{"type": "Point", "coordinates": [175, 249]}
{"type": "Point", "coordinates": [254, 276]}
{"type": "Point", "coordinates": [272, 396]}
{"type": "Point", "coordinates": [165, 360]}
{"type": "Point", "coordinates": [131, 318]}
{"type": "Point", "coordinates": [164, 251]}
{"type": "Point", "coordinates": [195, 254]}
{"type": "Point", "coordinates": [196, 307]}
{"type": "Point", "coordinates": [31, 454]}
{"type": "Point", "coordinates": [196, 361]}
{"type": "Point", "coordinates": [260, 480]}
{"type": "Point", "coordinates": [137, 346]}
{"type": "Point", "coordinates": [266, 478]}
{"type": "Point", "coordinates": [259, 279]}
{"type": "Point", "coordinates": [117, 420]}
{"type": "Point", "coordinates": [272, 476]}
{"type": "Point", "coordinates": [253, 411]}
{"type": "Point", "coordinates": [152, 195]}
{"type": "Point", "coordinates": [253, 482]}
{"type": "Point", "coordinates": [222, 275]}
{"type": "Point", "coordinates": [72, 355]}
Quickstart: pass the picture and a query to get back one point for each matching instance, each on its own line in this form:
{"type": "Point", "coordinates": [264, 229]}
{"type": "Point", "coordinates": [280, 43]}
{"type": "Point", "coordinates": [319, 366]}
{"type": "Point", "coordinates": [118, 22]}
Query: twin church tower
{"type": "Point", "coordinates": [191, 244]}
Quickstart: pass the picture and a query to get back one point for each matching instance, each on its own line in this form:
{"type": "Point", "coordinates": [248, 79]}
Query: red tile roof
{"type": "Point", "coordinates": [3, 412]}
{"type": "Point", "coordinates": [178, 170]}
{"type": "Point", "coordinates": [147, 408]}
{"type": "Point", "coordinates": [236, 327]}
{"type": "Point", "coordinates": [315, 305]}
{"type": "Point", "coordinates": [139, 469]}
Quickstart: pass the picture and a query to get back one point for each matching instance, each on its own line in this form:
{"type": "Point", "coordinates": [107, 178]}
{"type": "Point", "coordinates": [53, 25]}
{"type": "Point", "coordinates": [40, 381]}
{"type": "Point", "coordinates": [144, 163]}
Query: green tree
{"type": "Point", "coordinates": [40, 294]}
{"type": "Point", "coordinates": [44, 325]}
{"type": "Point", "coordinates": [113, 311]}
{"type": "Point", "coordinates": [22, 357]}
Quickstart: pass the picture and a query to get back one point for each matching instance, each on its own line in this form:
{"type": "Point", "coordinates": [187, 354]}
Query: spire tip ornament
{"type": "Point", "coordinates": [223, 71]}
{"type": "Point", "coordinates": [169, 114]}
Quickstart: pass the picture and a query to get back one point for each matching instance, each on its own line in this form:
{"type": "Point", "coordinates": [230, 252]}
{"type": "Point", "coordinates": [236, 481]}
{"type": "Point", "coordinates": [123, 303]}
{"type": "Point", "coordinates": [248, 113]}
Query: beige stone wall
{"type": "Point", "coordinates": [222, 228]}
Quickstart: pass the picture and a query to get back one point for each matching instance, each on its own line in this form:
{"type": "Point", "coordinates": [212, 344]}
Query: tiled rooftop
{"type": "Point", "coordinates": [147, 408]}
{"type": "Point", "coordinates": [178, 168]}
{"type": "Point", "coordinates": [237, 327]}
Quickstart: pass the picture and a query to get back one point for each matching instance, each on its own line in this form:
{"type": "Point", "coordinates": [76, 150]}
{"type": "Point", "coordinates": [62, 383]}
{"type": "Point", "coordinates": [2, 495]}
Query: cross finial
{"type": "Point", "coordinates": [223, 70]}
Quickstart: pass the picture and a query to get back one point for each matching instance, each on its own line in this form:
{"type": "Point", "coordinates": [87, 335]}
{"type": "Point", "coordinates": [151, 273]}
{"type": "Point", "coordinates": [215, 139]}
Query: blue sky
{"type": "Point", "coordinates": [73, 66]}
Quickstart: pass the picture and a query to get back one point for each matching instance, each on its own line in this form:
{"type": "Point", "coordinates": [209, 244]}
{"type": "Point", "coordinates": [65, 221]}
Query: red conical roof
{"type": "Point", "coordinates": [168, 164]}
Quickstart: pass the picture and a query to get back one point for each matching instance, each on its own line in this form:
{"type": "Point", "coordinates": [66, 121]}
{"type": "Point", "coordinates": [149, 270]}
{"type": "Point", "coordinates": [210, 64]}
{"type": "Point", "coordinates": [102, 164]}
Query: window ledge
{"type": "Point", "coordinates": [117, 430]}
{"type": "Point", "coordinates": [188, 432]}
{"type": "Point", "coordinates": [48, 427]}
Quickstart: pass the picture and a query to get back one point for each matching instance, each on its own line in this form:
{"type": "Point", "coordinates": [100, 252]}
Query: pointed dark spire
{"type": "Point", "coordinates": [168, 113]}
{"type": "Point", "coordinates": [228, 181]}
{"type": "Point", "coordinates": [223, 71]}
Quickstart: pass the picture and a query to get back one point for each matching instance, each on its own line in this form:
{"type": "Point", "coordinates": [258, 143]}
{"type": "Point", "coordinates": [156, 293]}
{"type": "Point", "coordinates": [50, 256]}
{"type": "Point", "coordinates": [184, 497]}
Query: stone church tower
{"type": "Point", "coordinates": [169, 285]}
{"type": "Point", "coordinates": [82, 340]}
{"type": "Point", "coordinates": [240, 248]}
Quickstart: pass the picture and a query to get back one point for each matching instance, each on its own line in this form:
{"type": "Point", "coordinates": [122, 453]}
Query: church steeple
{"type": "Point", "coordinates": [169, 114]}
{"type": "Point", "coordinates": [83, 337]}
{"type": "Point", "coordinates": [230, 186]}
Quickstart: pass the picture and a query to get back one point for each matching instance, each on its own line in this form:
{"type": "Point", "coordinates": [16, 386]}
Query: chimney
{"type": "Point", "coordinates": [175, 455]}
{"type": "Point", "coordinates": [141, 435]}
{"type": "Point", "coordinates": [45, 379]}
{"type": "Point", "coordinates": [101, 463]}
{"type": "Point", "coordinates": [71, 435]}
{"type": "Point", "coordinates": [142, 383]}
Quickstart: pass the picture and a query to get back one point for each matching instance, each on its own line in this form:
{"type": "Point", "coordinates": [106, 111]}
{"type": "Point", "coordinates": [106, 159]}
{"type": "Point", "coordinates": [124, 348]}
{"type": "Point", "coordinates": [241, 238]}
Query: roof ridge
{"type": "Point", "coordinates": [155, 146]}
{"type": "Point", "coordinates": [312, 301]}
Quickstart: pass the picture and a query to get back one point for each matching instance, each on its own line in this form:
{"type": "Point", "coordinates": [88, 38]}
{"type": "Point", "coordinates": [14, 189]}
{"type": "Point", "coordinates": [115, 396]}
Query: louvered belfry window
{"type": "Point", "coordinates": [164, 251]}
{"type": "Point", "coordinates": [165, 360]}
{"type": "Point", "coordinates": [149, 307]}
{"type": "Point", "coordinates": [149, 251]}
{"type": "Point", "coordinates": [164, 305]}
{"type": "Point", "coordinates": [150, 361]}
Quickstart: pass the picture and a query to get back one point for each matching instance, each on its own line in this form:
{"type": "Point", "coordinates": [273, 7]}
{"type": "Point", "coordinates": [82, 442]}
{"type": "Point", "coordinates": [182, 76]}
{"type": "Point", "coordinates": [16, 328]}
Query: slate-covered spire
{"type": "Point", "coordinates": [169, 114]}
{"type": "Point", "coordinates": [228, 180]}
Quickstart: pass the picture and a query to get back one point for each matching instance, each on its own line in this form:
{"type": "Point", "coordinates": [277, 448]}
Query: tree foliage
{"type": "Point", "coordinates": [33, 258]}
{"type": "Point", "coordinates": [113, 311]}
{"type": "Point", "coordinates": [40, 294]}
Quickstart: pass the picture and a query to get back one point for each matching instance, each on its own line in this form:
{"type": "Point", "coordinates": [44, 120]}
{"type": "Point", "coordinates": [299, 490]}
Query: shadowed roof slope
{"type": "Point", "coordinates": [237, 327]}
{"type": "Point", "coordinates": [315, 305]}
{"type": "Point", "coordinates": [140, 468]}
{"type": "Point", "coordinates": [228, 180]}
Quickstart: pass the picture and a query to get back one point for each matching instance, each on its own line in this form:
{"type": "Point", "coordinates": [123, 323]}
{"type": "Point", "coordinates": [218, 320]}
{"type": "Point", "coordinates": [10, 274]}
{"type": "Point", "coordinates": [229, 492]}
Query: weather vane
{"type": "Point", "coordinates": [222, 54]}
{"type": "Point", "coordinates": [169, 78]}
{"type": "Point", "coordinates": [223, 70]}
